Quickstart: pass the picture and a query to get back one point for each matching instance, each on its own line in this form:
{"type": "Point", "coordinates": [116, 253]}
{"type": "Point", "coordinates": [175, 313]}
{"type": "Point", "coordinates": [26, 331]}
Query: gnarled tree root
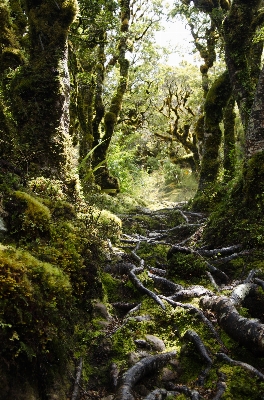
{"type": "Point", "coordinates": [138, 371]}
{"type": "Point", "coordinates": [193, 337]}
{"type": "Point", "coordinates": [221, 386]}
{"type": "Point", "coordinates": [241, 364]}
{"type": "Point", "coordinates": [200, 314]}
{"type": "Point", "coordinates": [192, 394]}
{"type": "Point", "coordinates": [243, 330]}
{"type": "Point", "coordinates": [160, 394]}
{"type": "Point", "coordinates": [164, 283]}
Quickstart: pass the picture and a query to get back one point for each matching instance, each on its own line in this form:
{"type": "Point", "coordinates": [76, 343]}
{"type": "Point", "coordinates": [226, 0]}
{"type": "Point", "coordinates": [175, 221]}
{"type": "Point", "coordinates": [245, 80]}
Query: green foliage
{"type": "Point", "coordinates": [122, 163]}
{"type": "Point", "coordinates": [172, 172]}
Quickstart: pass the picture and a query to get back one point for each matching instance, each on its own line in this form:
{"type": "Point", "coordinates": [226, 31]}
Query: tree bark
{"type": "Point", "coordinates": [41, 90]}
{"type": "Point", "coordinates": [243, 330]}
{"type": "Point", "coordinates": [102, 175]}
{"type": "Point", "coordinates": [138, 371]}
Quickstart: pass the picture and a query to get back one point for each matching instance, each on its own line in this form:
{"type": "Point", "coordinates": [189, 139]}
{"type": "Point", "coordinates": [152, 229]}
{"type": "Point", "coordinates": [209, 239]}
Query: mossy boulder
{"type": "Point", "coordinates": [35, 306]}
{"type": "Point", "coordinates": [27, 216]}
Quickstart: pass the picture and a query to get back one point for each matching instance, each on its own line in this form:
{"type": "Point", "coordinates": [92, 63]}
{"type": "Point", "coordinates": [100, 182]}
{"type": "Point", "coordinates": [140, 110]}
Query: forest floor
{"type": "Point", "coordinates": [161, 331]}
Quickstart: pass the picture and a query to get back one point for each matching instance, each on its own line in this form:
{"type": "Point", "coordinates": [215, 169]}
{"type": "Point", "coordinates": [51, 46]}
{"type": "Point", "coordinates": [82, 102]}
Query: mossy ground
{"type": "Point", "coordinates": [52, 262]}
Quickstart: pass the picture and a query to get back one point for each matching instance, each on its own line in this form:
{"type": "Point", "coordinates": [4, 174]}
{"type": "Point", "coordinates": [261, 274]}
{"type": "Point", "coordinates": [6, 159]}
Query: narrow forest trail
{"type": "Point", "coordinates": [158, 193]}
{"type": "Point", "coordinates": [183, 321]}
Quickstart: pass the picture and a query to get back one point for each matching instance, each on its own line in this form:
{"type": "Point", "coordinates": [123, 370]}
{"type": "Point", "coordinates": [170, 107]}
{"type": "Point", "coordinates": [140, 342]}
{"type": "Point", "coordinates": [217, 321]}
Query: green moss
{"type": "Point", "coordinates": [111, 287]}
{"type": "Point", "coordinates": [110, 118]}
{"type": "Point", "coordinates": [153, 253]}
{"type": "Point", "coordinates": [240, 385]}
{"type": "Point", "coordinates": [186, 266]}
{"type": "Point", "coordinates": [27, 216]}
{"type": "Point", "coordinates": [34, 303]}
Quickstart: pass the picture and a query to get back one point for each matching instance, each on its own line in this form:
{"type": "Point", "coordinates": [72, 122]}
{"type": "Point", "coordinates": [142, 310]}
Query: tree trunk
{"type": "Point", "coordinates": [102, 175]}
{"type": "Point", "coordinates": [238, 35]}
{"type": "Point", "coordinates": [229, 140]}
{"type": "Point", "coordinates": [216, 100]}
{"type": "Point", "coordinates": [41, 91]}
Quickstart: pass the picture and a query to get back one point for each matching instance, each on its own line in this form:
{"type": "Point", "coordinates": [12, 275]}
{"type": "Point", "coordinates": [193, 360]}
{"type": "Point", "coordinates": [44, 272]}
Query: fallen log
{"type": "Point", "coordinates": [143, 367]}
{"type": "Point", "coordinates": [248, 332]}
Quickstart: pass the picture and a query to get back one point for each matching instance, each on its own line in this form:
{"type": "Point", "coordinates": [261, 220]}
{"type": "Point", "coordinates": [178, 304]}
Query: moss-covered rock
{"type": "Point", "coordinates": [27, 217]}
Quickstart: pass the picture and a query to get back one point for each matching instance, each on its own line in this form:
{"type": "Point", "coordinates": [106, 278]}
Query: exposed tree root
{"type": "Point", "coordinates": [193, 337]}
{"type": "Point", "coordinates": [192, 394]}
{"type": "Point", "coordinates": [164, 283]}
{"type": "Point", "coordinates": [124, 306]}
{"type": "Point", "coordinates": [198, 312]}
{"type": "Point", "coordinates": [158, 394]}
{"type": "Point", "coordinates": [191, 292]}
{"type": "Point", "coordinates": [138, 371]}
{"type": "Point", "coordinates": [225, 310]}
{"type": "Point", "coordinates": [131, 270]}
{"type": "Point", "coordinates": [245, 331]}
{"type": "Point", "coordinates": [222, 251]}
{"type": "Point", "coordinates": [221, 386]}
{"type": "Point", "coordinates": [76, 388]}
{"type": "Point", "coordinates": [241, 364]}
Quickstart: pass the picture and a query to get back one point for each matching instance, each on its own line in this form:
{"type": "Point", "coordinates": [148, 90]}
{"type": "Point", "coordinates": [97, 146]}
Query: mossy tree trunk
{"type": "Point", "coordinates": [11, 57]}
{"type": "Point", "coordinates": [216, 100]}
{"type": "Point", "coordinates": [41, 89]}
{"type": "Point", "coordinates": [243, 63]}
{"type": "Point", "coordinates": [229, 140]}
{"type": "Point", "coordinates": [102, 175]}
{"type": "Point", "coordinates": [253, 172]}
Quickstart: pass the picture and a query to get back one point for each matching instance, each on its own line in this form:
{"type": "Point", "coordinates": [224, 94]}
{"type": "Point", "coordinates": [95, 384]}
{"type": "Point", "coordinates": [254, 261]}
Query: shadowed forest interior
{"type": "Point", "coordinates": [131, 199]}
